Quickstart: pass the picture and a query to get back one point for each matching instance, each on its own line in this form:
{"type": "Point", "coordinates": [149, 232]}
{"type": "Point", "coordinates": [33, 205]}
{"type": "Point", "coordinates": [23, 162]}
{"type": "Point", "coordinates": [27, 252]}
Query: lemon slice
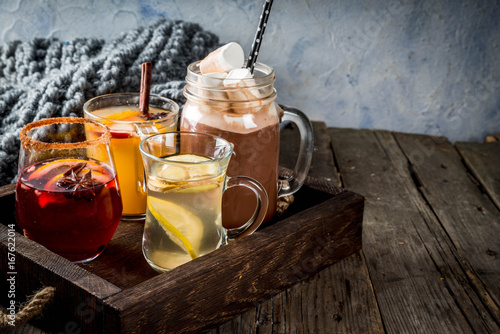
{"type": "Point", "coordinates": [199, 189]}
{"type": "Point", "coordinates": [204, 169]}
{"type": "Point", "coordinates": [159, 185]}
{"type": "Point", "coordinates": [173, 172]}
{"type": "Point", "coordinates": [188, 228]}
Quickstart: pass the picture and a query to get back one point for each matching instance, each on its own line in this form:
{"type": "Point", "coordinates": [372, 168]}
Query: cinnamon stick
{"type": "Point", "coordinates": [145, 88]}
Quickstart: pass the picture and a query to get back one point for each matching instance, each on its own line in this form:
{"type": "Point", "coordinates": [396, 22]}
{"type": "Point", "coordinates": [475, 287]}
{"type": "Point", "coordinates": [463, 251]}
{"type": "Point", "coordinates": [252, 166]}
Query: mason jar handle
{"type": "Point", "coordinates": [296, 179]}
{"type": "Point", "coordinates": [260, 211]}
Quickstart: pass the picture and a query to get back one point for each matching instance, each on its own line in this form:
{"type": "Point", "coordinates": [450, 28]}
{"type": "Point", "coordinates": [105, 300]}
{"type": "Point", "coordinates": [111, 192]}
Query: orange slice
{"type": "Point", "coordinates": [99, 173]}
{"type": "Point", "coordinates": [123, 115]}
{"type": "Point", "coordinates": [42, 171]}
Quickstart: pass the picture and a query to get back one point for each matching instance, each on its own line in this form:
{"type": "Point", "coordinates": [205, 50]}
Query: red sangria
{"type": "Point", "coordinates": [70, 206]}
{"type": "Point", "coordinates": [67, 195]}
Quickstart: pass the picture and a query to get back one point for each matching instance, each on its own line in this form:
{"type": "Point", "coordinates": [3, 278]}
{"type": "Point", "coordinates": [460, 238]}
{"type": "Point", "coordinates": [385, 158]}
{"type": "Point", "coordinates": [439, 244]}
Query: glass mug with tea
{"type": "Point", "coordinates": [67, 197]}
{"type": "Point", "coordinates": [240, 107]}
{"type": "Point", "coordinates": [186, 177]}
{"type": "Point", "coordinates": [120, 112]}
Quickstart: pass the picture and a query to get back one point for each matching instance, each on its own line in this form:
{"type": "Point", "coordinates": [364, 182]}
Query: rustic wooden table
{"type": "Point", "coordinates": [431, 241]}
{"type": "Point", "coordinates": [431, 249]}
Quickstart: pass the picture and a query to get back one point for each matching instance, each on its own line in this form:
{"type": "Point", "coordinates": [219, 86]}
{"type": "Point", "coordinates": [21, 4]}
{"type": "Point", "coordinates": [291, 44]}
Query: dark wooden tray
{"type": "Point", "coordinates": [119, 293]}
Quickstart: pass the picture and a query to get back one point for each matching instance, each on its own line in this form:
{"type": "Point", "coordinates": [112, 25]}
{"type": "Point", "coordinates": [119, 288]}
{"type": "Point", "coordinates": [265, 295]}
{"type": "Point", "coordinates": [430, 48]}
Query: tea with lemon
{"type": "Point", "coordinates": [183, 219]}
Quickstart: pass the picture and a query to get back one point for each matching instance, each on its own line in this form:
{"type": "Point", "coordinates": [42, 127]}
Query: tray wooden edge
{"type": "Point", "coordinates": [189, 298]}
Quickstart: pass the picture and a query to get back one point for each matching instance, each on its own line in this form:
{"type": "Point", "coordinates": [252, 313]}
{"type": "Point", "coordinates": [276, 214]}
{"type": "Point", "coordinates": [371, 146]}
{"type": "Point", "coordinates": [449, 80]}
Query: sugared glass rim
{"type": "Point", "coordinates": [28, 142]}
{"type": "Point", "coordinates": [91, 114]}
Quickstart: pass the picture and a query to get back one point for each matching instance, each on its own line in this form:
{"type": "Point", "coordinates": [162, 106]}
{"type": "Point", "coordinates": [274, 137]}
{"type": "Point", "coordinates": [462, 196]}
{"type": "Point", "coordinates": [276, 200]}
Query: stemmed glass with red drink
{"type": "Point", "coordinates": [67, 196]}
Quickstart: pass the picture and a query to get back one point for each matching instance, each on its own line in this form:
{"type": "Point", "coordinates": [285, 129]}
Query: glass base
{"type": "Point", "coordinates": [140, 217]}
{"type": "Point", "coordinates": [82, 257]}
{"type": "Point", "coordinates": [156, 268]}
{"type": "Point", "coordinates": [222, 242]}
{"type": "Point", "coordinates": [86, 260]}
{"type": "Point", "coordinates": [73, 257]}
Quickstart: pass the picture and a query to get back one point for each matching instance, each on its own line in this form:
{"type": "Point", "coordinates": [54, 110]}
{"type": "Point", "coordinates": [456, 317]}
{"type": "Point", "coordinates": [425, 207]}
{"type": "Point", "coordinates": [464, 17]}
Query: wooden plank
{"type": "Point", "coordinates": [342, 296]}
{"type": "Point", "coordinates": [413, 294]}
{"type": "Point", "coordinates": [185, 298]}
{"type": "Point", "coordinates": [122, 262]}
{"type": "Point", "coordinates": [454, 269]}
{"type": "Point", "coordinates": [322, 164]}
{"type": "Point", "coordinates": [339, 299]}
{"type": "Point", "coordinates": [483, 159]}
{"type": "Point", "coordinates": [470, 219]}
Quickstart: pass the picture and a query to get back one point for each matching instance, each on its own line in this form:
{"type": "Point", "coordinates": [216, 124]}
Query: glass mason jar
{"type": "Point", "coordinates": [244, 112]}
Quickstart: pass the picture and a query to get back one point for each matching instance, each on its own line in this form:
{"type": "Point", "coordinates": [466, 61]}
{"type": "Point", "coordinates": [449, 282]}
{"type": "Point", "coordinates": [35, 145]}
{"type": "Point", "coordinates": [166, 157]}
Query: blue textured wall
{"type": "Point", "coordinates": [413, 66]}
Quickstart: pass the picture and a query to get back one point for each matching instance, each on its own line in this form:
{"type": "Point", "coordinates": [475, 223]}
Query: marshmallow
{"type": "Point", "coordinates": [211, 80]}
{"type": "Point", "coordinates": [217, 75]}
{"type": "Point", "coordinates": [238, 74]}
{"type": "Point", "coordinates": [240, 82]}
{"type": "Point", "coordinates": [214, 79]}
{"type": "Point", "coordinates": [224, 59]}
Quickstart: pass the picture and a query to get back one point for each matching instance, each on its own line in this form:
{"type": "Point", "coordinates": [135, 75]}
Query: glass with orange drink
{"type": "Point", "coordinates": [120, 112]}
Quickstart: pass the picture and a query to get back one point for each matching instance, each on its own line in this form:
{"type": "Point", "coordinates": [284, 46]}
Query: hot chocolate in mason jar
{"type": "Point", "coordinates": [231, 102]}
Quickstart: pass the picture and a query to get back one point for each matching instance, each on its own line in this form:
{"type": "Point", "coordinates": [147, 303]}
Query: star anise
{"type": "Point", "coordinates": [81, 186]}
{"type": "Point", "coordinates": [152, 117]}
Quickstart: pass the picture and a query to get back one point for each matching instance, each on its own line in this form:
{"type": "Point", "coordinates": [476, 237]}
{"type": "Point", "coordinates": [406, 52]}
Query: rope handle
{"type": "Point", "coordinates": [31, 309]}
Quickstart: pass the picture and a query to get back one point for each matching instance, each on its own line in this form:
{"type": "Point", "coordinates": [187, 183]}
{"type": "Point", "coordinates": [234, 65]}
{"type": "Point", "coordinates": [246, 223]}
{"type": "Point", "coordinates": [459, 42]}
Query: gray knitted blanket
{"type": "Point", "coordinates": [50, 78]}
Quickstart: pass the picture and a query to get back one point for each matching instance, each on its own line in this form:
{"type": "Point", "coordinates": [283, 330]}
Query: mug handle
{"type": "Point", "coordinates": [299, 173]}
{"type": "Point", "coordinates": [260, 211]}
